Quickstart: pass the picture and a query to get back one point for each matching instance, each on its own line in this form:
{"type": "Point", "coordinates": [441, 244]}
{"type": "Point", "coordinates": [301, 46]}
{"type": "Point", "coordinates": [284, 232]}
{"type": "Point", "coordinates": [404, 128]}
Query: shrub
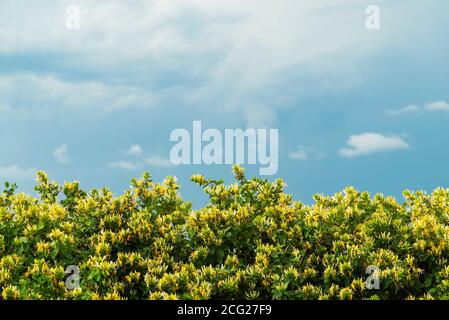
{"type": "Point", "coordinates": [251, 241]}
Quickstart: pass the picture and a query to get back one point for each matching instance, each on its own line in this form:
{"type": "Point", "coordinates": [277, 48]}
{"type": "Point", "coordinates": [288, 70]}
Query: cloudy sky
{"type": "Point", "coordinates": [368, 108]}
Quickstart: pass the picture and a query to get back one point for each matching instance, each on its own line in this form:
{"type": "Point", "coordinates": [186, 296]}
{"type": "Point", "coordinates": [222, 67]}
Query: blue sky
{"type": "Point", "coordinates": [367, 108]}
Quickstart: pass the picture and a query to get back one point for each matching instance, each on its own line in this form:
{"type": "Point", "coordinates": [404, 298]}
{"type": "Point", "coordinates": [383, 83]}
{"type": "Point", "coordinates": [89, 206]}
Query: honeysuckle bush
{"type": "Point", "coordinates": [251, 241]}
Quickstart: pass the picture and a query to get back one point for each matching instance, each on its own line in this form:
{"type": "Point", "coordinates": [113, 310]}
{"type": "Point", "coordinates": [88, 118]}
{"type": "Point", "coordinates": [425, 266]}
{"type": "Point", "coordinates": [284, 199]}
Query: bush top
{"type": "Point", "coordinates": [251, 241]}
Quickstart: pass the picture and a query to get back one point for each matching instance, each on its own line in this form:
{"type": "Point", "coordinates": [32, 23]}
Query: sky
{"type": "Point", "coordinates": [353, 106]}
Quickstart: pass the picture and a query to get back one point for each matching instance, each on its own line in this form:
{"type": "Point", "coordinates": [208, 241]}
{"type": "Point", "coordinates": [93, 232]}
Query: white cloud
{"type": "Point", "coordinates": [14, 173]}
{"type": "Point", "coordinates": [303, 153]}
{"type": "Point", "coordinates": [158, 162]}
{"type": "Point", "coordinates": [429, 107]}
{"type": "Point", "coordinates": [135, 150]}
{"type": "Point", "coordinates": [61, 154]}
{"type": "Point", "coordinates": [368, 143]}
{"type": "Point", "coordinates": [233, 59]}
{"type": "Point", "coordinates": [224, 55]}
{"type": "Point", "coordinates": [405, 110]}
{"type": "Point", "coordinates": [437, 106]}
{"type": "Point", "coordinates": [135, 165]}
{"type": "Point", "coordinates": [125, 165]}
{"type": "Point", "coordinates": [300, 154]}
{"type": "Point", "coordinates": [142, 160]}
{"type": "Point", "coordinates": [46, 92]}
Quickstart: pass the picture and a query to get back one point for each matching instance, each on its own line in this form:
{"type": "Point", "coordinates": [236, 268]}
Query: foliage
{"type": "Point", "coordinates": [252, 241]}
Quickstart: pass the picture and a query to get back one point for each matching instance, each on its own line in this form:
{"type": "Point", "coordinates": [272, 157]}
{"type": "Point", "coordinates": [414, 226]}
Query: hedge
{"type": "Point", "coordinates": [251, 241]}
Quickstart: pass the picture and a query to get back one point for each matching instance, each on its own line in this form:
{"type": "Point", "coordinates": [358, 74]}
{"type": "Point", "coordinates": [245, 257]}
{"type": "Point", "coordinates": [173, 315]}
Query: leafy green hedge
{"type": "Point", "coordinates": [252, 241]}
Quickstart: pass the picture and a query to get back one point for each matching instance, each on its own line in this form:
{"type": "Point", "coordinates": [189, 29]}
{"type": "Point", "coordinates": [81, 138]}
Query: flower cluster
{"type": "Point", "coordinates": [251, 241]}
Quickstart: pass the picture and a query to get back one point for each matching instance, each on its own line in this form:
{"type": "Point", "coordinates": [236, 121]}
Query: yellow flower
{"type": "Point", "coordinates": [11, 293]}
{"type": "Point", "coordinates": [43, 247]}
